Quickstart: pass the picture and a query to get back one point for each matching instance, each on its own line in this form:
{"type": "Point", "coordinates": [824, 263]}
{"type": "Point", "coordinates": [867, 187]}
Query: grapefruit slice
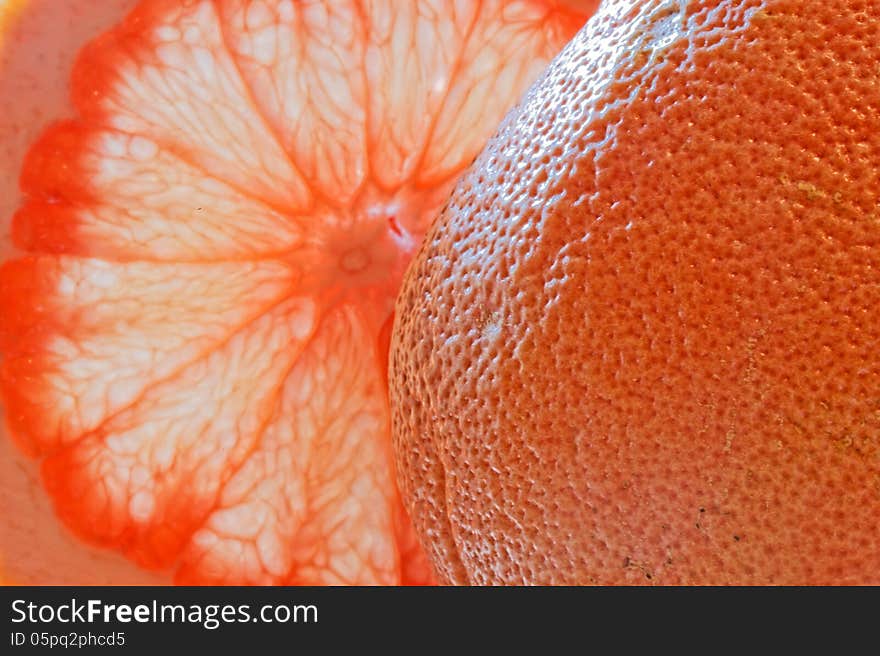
{"type": "Point", "coordinates": [193, 341]}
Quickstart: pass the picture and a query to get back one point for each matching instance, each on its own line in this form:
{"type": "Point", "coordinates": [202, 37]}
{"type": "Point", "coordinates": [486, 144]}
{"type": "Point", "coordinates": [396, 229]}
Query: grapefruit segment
{"type": "Point", "coordinates": [146, 478]}
{"type": "Point", "coordinates": [421, 83]}
{"type": "Point", "coordinates": [302, 62]}
{"type": "Point", "coordinates": [315, 501]}
{"type": "Point", "coordinates": [491, 67]}
{"type": "Point", "coordinates": [165, 73]}
{"type": "Point", "coordinates": [102, 333]}
{"type": "Point", "coordinates": [195, 345]}
{"type": "Point", "coordinates": [114, 195]}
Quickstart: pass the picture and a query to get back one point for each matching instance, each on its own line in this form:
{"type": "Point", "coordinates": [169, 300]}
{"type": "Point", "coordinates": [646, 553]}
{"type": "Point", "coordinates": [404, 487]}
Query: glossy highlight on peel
{"type": "Point", "coordinates": [212, 244]}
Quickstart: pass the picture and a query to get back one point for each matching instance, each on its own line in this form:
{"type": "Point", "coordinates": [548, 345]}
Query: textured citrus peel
{"type": "Point", "coordinates": [639, 344]}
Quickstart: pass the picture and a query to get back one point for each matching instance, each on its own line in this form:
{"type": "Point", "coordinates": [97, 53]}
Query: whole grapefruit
{"type": "Point", "coordinates": [639, 345]}
{"type": "Point", "coordinates": [201, 252]}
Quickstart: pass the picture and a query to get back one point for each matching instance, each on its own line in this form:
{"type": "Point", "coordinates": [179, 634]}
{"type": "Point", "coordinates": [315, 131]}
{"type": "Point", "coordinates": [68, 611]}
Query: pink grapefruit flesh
{"type": "Point", "coordinates": [194, 336]}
